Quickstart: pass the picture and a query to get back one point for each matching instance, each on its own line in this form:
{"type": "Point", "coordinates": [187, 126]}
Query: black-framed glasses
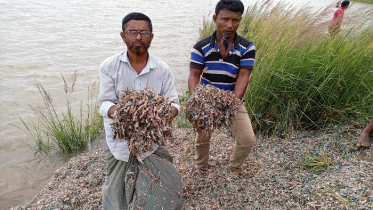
{"type": "Point", "coordinates": [134, 33]}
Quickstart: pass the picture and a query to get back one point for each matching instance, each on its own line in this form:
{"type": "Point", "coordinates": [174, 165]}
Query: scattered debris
{"type": "Point", "coordinates": [272, 178]}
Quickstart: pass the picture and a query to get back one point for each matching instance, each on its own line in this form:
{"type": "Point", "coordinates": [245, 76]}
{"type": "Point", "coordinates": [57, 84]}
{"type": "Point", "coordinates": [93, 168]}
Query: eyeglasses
{"type": "Point", "coordinates": [134, 33]}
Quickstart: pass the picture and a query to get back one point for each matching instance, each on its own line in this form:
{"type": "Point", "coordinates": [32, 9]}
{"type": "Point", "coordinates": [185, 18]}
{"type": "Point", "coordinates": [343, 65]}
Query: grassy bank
{"type": "Point", "coordinates": [304, 78]}
{"type": "Point", "coordinates": [69, 131]}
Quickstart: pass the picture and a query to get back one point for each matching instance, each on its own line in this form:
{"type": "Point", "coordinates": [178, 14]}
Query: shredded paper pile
{"type": "Point", "coordinates": [211, 108]}
{"type": "Point", "coordinates": [141, 118]}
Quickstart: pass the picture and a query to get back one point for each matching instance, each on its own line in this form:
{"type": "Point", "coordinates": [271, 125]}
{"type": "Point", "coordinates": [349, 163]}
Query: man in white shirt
{"type": "Point", "coordinates": [135, 69]}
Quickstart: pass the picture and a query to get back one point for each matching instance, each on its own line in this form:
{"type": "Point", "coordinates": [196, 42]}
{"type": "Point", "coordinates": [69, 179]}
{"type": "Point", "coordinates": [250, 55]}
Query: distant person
{"type": "Point", "coordinates": [335, 25]}
{"type": "Point", "coordinates": [127, 185]}
{"type": "Point", "coordinates": [364, 139]}
{"type": "Point", "coordinates": [230, 60]}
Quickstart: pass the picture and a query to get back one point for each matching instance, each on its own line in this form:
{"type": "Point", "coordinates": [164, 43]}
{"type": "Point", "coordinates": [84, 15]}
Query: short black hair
{"type": "Point", "coordinates": [345, 3]}
{"type": "Point", "coordinates": [136, 16]}
{"type": "Point", "coordinates": [231, 5]}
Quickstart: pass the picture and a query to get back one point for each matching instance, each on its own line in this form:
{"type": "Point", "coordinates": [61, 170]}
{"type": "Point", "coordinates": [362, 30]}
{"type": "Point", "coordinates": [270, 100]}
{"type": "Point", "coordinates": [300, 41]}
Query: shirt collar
{"type": "Point", "coordinates": [149, 64]}
{"type": "Point", "coordinates": [236, 40]}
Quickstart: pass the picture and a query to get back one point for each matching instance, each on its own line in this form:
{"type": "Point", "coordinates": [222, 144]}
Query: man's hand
{"type": "Point", "coordinates": [112, 111]}
{"type": "Point", "coordinates": [174, 114]}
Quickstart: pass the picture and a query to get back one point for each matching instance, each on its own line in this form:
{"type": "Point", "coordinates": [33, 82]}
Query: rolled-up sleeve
{"type": "Point", "coordinates": [107, 97]}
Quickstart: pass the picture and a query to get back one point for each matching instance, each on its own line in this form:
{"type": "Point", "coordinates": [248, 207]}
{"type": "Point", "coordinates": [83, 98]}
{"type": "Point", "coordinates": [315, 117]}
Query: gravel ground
{"type": "Point", "coordinates": [306, 170]}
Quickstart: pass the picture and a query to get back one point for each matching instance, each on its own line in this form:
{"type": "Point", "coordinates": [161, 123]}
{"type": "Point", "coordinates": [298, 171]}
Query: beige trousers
{"type": "Point", "coordinates": [242, 133]}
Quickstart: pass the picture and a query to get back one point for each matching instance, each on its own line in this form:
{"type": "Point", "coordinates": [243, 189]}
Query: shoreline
{"type": "Point", "coordinates": [272, 176]}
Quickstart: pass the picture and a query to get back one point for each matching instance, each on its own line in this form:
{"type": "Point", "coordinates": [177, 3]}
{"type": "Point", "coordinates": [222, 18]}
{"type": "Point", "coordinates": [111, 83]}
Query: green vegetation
{"type": "Point", "coordinates": [365, 1]}
{"type": "Point", "coordinates": [181, 120]}
{"type": "Point", "coordinates": [304, 78]}
{"type": "Point", "coordinates": [316, 163]}
{"type": "Point", "coordinates": [65, 132]}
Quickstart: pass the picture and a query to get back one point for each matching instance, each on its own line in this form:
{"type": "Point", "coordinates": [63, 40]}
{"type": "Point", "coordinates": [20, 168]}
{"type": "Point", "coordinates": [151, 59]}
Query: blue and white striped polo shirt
{"type": "Point", "coordinates": [222, 73]}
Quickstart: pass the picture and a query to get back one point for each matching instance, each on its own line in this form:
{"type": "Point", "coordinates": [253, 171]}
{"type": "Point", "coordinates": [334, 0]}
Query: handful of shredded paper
{"type": "Point", "coordinates": [211, 108]}
{"type": "Point", "coordinates": [141, 118]}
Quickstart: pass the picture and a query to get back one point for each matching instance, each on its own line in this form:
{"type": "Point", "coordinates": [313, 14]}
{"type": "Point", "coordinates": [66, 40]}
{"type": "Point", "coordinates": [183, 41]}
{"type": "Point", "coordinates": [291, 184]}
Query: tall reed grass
{"type": "Point", "coordinates": [303, 78]}
{"type": "Point", "coordinates": [66, 131]}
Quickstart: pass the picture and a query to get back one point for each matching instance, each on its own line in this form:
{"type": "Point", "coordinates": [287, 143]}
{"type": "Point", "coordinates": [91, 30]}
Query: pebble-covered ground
{"type": "Point", "coordinates": [306, 170]}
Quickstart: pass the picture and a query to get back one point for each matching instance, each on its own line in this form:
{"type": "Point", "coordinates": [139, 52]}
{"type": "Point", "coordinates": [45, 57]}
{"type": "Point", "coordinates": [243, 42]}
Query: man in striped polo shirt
{"type": "Point", "coordinates": [230, 60]}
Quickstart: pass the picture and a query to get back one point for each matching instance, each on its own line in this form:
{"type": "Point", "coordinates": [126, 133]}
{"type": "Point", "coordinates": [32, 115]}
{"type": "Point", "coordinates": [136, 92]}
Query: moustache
{"type": "Point", "coordinates": [138, 49]}
{"type": "Point", "coordinates": [138, 42]}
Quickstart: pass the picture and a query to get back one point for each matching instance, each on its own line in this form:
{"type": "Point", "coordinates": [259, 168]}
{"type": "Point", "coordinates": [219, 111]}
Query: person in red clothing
{"type": "Point", "coordinates": [335, 25]}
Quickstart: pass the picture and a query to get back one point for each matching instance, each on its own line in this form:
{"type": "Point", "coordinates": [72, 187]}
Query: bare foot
{"type": "Point", "coordinates": [234, 171]}
{"type": "Point", "coordinates": [237, 172]}
{"type": "Point", "coordinates": [364, 140]}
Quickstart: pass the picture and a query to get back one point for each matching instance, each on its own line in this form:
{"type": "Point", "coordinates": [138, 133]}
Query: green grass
{"type": "Point", "coordinates": [181, 121]}
{"type": "Point", "coordinates": [303, 78]}
{"type": "Point", "coordinates": [316, 163]}
{"type": "Point", "coordinates": [65, 131]}
{"type": "Point", "coordinates": [365, 1]}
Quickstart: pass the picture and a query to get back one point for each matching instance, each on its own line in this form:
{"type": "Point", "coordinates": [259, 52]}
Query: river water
{"type": "Point", "coordinates": [42, 40]}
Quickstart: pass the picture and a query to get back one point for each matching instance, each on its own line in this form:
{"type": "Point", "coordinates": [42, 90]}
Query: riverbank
{"type": "Point", "coordinates": [279, 174]}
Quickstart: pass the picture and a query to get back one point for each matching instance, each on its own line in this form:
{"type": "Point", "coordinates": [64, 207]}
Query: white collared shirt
{"type": "Point", "coordinates": [116, 74]}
